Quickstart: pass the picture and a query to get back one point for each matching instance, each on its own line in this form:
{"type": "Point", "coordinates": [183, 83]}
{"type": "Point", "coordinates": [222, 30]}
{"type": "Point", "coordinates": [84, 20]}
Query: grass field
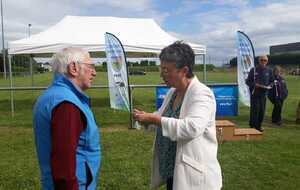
{"type": "Point", "coordinates": [273, 163]}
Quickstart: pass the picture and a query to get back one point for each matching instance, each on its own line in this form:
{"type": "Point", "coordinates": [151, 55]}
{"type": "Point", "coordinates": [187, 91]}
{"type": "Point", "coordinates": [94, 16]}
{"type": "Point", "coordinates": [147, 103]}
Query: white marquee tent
{"type": "Point", "coordinates": [136, 35]}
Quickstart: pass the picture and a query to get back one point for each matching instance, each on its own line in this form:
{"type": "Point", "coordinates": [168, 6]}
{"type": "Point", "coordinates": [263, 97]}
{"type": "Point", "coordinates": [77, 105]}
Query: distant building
{"type": "Point", "coordinates": [290, 48]}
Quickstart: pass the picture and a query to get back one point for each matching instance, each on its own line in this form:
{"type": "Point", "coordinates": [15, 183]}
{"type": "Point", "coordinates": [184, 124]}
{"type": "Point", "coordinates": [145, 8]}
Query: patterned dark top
{"type": "Point", "coordinates": [167, 148]}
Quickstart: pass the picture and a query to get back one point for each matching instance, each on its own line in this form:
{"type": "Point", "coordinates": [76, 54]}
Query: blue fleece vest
{"type": "Point", "coordinates": [88, 151]}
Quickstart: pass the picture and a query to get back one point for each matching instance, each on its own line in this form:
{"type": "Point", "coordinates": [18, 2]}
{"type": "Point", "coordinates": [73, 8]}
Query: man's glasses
{"type": "Point", "coordinates": [90, 66]}
{"type": "Point", "coordinates": [263, 60]}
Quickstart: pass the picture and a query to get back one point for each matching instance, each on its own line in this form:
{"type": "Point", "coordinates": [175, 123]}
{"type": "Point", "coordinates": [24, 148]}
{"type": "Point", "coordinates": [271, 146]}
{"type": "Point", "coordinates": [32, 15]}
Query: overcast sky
{"type": "Point", "coordinates": [209, 22]}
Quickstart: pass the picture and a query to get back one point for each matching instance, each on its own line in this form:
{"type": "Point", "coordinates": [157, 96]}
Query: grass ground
{"type": "Point", "coordinates": [273, 163]}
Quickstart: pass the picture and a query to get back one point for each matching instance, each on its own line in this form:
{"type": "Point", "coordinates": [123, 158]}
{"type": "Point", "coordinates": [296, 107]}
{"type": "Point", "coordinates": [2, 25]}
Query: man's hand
{"type": "Point", "coordinates": [146, 118]}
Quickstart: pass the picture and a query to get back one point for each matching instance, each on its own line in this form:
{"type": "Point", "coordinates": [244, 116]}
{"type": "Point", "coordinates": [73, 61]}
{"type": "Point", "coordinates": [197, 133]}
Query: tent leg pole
{"type": "Point", "coordinates": [11, 85]}
{"type": "Point", "coordinates": [3, 47]}
{"type": "Point", "coordinates": [204, 68]}
{"type": "Point", "coordinates": [31, 69]}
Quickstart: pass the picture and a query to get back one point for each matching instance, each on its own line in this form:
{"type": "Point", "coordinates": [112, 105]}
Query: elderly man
{"type": "Point", "coordinates": [259, 81]}
{"type": "Point", "coordinates": [66, 134]}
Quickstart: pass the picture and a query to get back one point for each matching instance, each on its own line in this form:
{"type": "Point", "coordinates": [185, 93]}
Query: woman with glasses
{"type": "Point", "coordinates": [185, 146]}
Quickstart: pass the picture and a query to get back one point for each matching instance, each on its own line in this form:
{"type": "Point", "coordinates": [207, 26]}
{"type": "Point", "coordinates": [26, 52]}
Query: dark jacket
{"type": "Point", "coordinates": [279, 90]}
{"type": "Point", "coordinates": [263, 76]}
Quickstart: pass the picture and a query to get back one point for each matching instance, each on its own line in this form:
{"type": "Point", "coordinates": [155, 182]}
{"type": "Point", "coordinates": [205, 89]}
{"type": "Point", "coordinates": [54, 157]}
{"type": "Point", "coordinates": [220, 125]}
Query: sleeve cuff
{"type": "Point", "coordinates": [167, 130]}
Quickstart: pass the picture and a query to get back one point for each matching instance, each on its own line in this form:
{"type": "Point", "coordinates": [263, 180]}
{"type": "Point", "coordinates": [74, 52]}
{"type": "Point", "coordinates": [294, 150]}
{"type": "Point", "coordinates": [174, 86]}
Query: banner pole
{"type": "Point", "coordinates": [131, 106]}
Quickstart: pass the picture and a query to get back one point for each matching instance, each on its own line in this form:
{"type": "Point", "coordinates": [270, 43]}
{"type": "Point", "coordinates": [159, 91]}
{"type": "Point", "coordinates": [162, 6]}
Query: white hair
{"type": "Point", "coordinates": [262, 56]}
{"type": "Point", "coordinates": [63, 58]}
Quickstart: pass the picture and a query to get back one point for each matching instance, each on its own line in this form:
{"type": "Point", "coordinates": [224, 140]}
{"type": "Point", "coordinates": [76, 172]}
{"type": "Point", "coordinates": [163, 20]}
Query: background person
{"type": "Point", "coordinates": [298, 114]}
{"type": "Point", "coordinates": [185, 147]}
{"type": "Point", "coordinates": [277, 95]}
{"type": "Point", "coordinates": [66, 135]}
{"type": "Point", "coordinates": [259, 83]}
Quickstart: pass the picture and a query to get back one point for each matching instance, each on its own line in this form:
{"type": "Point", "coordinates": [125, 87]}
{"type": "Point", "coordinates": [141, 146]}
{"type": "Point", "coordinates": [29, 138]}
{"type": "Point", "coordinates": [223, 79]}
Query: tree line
{"type": "Point", "coordinates": [284, 60]}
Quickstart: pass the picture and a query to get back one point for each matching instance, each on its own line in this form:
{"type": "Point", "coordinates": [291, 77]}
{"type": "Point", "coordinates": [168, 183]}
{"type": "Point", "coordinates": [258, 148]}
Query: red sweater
{"type": "Point", "coordinates": [67, 123]}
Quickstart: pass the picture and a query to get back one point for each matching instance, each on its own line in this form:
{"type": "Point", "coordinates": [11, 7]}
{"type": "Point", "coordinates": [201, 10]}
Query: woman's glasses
{"type": "Point", "coordinates": [263, 60]}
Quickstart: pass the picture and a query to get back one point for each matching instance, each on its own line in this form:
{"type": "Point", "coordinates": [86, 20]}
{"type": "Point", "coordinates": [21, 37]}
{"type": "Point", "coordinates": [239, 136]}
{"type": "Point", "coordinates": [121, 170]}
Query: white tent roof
{"type": "Point", "coordinates": [136, 35]}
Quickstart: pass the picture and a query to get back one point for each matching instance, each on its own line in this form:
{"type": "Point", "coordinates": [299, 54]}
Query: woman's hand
{"type": "Point", "coordinates": [146, 118]}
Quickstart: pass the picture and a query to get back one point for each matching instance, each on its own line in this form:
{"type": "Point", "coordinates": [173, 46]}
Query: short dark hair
{"type": "Point", "coordinates": [180, 53]}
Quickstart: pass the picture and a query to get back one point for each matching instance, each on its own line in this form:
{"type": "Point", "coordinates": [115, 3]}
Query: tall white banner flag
{"type": "Point", "coordinates": [117, 73]}
{"type": "Point", "coordinates": [245, 61]}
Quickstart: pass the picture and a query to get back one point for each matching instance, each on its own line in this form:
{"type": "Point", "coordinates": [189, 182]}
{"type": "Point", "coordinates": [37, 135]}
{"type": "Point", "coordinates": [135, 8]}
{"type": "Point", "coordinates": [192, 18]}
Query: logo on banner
{"type": "Point", "coordinates": [247, 60]}
{"type": "Point", "coordinates": [117, 64]}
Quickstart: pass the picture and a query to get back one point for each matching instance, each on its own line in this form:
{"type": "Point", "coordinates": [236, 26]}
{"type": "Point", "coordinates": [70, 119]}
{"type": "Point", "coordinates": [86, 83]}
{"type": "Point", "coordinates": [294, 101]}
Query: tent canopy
{"type": "Point", "coordinates": [136, 35]}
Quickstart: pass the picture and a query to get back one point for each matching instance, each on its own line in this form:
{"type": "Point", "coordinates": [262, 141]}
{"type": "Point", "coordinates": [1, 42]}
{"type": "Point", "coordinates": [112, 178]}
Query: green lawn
{"type": "Point", "coordinates": [273, 163]}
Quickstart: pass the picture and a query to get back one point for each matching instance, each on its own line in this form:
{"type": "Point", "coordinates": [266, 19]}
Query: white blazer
{"type": "Point", "coordinates": [196, 165]}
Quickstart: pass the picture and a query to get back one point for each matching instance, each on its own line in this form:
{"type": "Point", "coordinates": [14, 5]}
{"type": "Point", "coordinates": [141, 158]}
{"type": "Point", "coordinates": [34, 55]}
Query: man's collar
{"type": "Point", "coordinates": [61, 79]}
